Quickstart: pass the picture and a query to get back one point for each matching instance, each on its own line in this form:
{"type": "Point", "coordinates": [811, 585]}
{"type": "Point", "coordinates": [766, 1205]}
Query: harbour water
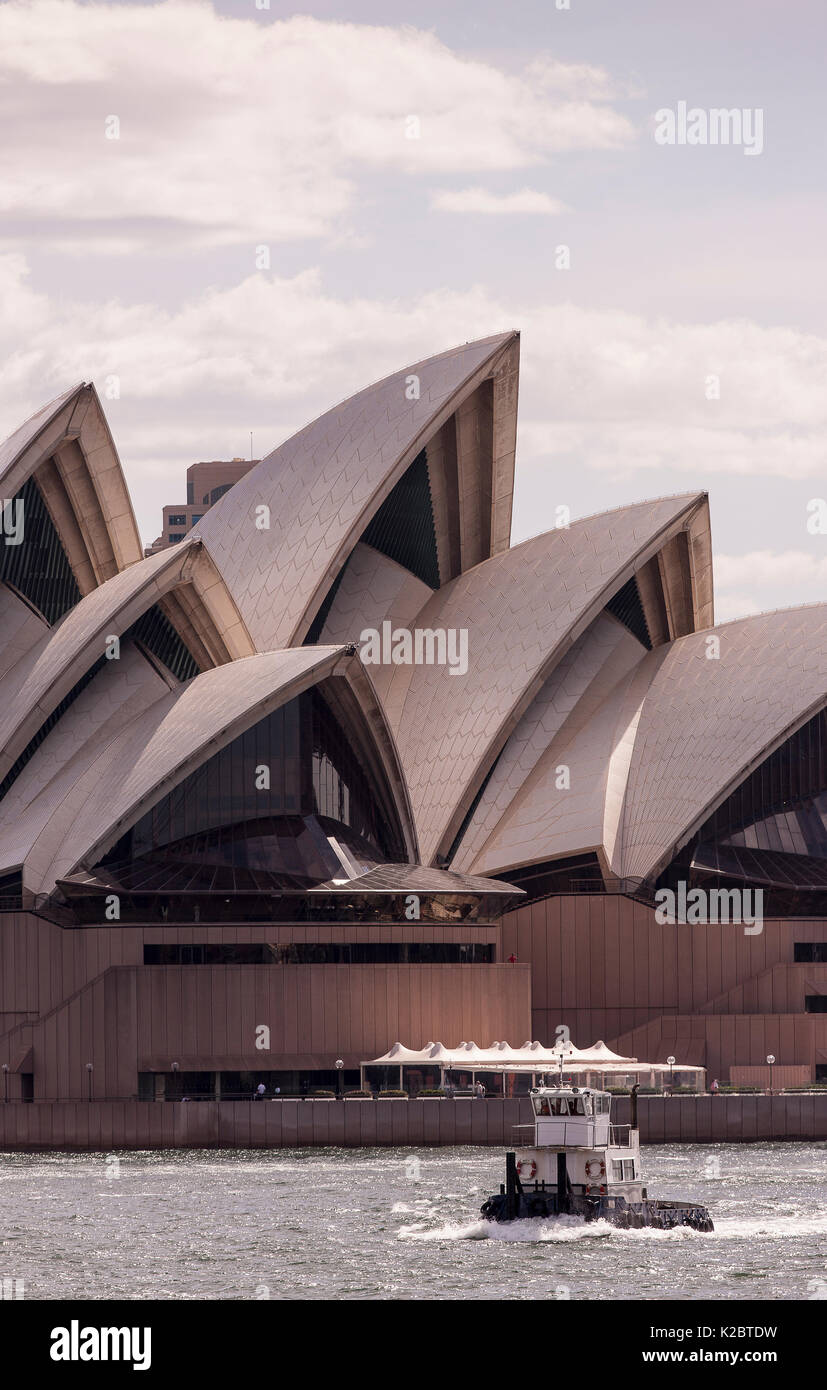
{"type": "Point", "coordinates": [398, 1224]}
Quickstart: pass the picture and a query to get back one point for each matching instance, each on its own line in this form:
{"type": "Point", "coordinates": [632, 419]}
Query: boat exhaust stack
{"type": "Point", "coordinates": [512, 1183]}
{"type": "Point", "coordinates": [562, 1186]}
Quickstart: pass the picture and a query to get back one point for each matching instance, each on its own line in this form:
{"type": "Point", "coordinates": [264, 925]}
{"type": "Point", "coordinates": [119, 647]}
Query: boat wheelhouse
{"type": "Point", "coordinates": [572, 1161]}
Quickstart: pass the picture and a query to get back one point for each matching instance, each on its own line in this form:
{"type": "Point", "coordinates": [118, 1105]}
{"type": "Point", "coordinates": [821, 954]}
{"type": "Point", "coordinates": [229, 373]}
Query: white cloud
{"type": "Point", "coordinates": [775, 570]}
{"type": "Point", "coordinates": [247, 130]}
{"type": "Point", "coordinates": [479, 200]}
{"type": "Point", "coordinates": [603, 395]}
{"type": "Point", "coordinates": [578, 81]}
{"type": "Point", "coordinates": [767, 579]}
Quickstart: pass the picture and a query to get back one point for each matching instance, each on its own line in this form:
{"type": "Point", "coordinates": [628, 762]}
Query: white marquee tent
{"type": "Point", "coordinates": [596, 1065]}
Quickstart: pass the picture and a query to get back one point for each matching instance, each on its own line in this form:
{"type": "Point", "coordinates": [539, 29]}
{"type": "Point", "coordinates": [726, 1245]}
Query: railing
{"type": "Point", "coordinates": [522, 1136]}
{"type": "Point", "coordinates": [620, 1136]}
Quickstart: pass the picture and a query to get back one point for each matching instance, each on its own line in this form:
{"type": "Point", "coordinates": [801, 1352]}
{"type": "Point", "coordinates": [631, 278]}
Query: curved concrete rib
{"type": "Point", "coordinates": [68, 448]}
{"type": "Point", "coordinates": [119, 692]}
{"type": "Point", "coordinates": [707, 720]}
{"type": "Point", "coordinates": [37, 683]}
{"type": "Point", "coordinates": [547, 793]}
{"type": "Point", "coordinates": [324, 485]}
{"type": "Point", "coordinates": [521, 610]}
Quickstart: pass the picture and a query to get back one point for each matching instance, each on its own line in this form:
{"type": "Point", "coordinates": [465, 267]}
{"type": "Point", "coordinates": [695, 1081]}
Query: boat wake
{"type": "Point", "coordinates": [559, 1230]}
{"type": "Point", "coordinates": [567, 1229]}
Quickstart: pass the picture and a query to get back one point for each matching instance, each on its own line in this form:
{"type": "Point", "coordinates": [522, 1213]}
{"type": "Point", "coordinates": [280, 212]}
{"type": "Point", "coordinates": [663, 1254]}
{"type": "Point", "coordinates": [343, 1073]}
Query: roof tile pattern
{"type": "Point", "coordinates": [119, 693]}
{"type": "Point", "coordinates": [521, 610]}
{"type": "Point", "coordinates": [21, 628]}
{"type": "Point", "coordinates": [707, 719]}
{"type": "Point", "coordinates": [374, 590]}
{"type": "Point", "coordinates": [652, 740]}
{"type": "Point", "coordinates": [323, 486]}
{"type": "Point", "coordinates": [17, 443]}
{"type": "Point", "coordinates": [566, 705]}
{"type": "Point", "coordinates": [39, 681]}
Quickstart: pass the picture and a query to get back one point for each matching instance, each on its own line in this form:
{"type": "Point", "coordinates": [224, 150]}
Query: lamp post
{"type": "Point", "coordinates": [6, 1083]}
{"type": "Point", "coordinates": [340, 1067]}
{"type": "Point", "coordinates": [175, 1066]}
{"type": "Point", "coordinates": [89, 1070]}
{"type": "Point", "coordinates": [670, 1062]}
{"type": "Point", "coordinates": [770, 1064]}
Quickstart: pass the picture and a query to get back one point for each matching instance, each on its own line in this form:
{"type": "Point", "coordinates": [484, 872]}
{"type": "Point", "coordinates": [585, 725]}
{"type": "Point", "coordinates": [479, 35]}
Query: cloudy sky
{"type": "Point", "coordinates": [298, 203]}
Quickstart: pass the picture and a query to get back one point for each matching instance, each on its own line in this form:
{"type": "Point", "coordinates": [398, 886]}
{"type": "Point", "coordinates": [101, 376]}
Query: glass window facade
{"type": "Point", "coordinates": [38, 567]}
{"type": "Point", "coordinates": [810, 952]}
{"type": "Point", "coordinates": [771, 832]}
{"type": "Point", "coordinates": [627, 607]}
{"type": "Point", "coordinates": [403, 528]}
{"type": "Point", "coordinates": [155, 632]}
{"type": "Point", "coordinates": [325, 953]}
{"type": "Point", "coordinates": [269, 800]}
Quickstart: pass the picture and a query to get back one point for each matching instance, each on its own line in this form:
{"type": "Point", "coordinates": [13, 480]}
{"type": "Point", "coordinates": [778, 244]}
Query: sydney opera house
{"type": "Point", "coordinates": [234, 850]}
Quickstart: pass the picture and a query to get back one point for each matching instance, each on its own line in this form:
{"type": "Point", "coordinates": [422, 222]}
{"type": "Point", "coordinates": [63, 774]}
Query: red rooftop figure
{"type": "Point", "coordinates": [512, 959]}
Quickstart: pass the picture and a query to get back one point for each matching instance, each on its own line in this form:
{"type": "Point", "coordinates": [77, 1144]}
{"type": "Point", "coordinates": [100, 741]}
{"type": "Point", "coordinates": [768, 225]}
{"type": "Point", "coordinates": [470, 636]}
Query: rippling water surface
{"type": "Point", "coordinates": [398, 1224]}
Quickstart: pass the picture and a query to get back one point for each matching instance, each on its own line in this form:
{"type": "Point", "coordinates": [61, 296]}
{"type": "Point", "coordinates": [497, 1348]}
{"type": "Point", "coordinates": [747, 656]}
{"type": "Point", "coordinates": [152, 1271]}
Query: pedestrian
{"type": "Point", "coordinates": [714, 1088]}
{"type": "Point", "coordinates": [479, 1091]}
{"type": "Point", "coordinates": [512, 959]}
{"type": "Point", "coordinates": [260, 1090]}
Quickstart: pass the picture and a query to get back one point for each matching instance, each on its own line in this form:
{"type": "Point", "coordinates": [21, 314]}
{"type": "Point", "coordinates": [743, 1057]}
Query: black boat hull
{"type": "Point", "coordinates": [540, 1204]}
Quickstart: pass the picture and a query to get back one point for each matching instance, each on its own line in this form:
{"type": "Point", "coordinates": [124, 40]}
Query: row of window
{"type": "Point", "coordinates": [324, 953]}
{"type": "Point", "coordinates": [810, 952]}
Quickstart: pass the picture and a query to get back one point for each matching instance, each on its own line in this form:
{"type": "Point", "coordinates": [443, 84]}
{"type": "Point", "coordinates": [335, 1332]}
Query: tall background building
{"type": "Point", "coordinates": [206, 482]}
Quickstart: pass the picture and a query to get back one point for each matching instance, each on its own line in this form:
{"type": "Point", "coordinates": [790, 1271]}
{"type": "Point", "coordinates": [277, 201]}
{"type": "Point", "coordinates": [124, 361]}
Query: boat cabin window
{"type": "Point", "coordinates": [541, 1106]}
{"type": "Point", "coordinates": [565, 1105]}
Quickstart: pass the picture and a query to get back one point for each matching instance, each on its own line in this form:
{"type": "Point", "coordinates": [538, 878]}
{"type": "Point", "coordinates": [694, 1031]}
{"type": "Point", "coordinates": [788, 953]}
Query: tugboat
{"type": "Point", "coordinates": [572, 1161]}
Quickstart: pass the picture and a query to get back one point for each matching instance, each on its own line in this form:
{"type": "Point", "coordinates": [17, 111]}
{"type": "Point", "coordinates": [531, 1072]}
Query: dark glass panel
{"type": "Point", "coordinates": [38, 568]}
{"type": "Point", "coordinates": [403, 528]}
{"type": "Point", "coordinates": [580, 873]}
{"type": "Point", "coordinates": [628, 608]}
{"type": "Point", "coordinates": [771, 832]}
{"type": "Point", "coordinates": [810, 952]}
{"type": "Point", "coordinates": [324, 953]}
{"type": "Point", "coordinates": [154, 631]}
{"type": "Point", "coordinates": [257, 824]}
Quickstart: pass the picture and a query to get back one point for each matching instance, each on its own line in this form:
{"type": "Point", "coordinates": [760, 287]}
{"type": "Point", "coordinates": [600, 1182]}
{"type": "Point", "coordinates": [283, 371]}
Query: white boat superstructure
{"type": "Point", "coordinates": [573, 1161]}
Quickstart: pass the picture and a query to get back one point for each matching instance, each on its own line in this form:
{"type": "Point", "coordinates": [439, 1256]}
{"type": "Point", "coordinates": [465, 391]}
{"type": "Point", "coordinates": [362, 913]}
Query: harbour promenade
{"type": "Point", "coordinates": [103, 1125]}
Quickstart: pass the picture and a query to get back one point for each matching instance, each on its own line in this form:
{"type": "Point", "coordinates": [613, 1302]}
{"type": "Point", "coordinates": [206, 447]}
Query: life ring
{"type": "Point", "coordinates": [595, 1168]}
{"type": "Point", "coordinates": [529, 1164]}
